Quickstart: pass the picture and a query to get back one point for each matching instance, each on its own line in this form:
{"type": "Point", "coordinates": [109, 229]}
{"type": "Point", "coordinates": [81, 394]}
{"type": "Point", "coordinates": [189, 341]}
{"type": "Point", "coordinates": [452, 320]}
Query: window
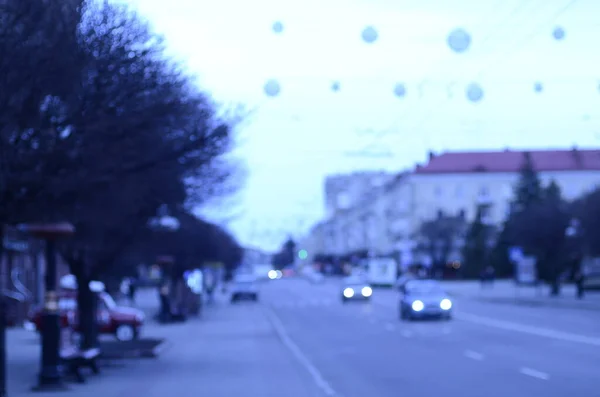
{"type": "Point", "coordinates": [484, 191]}
{"type": "Point", "coordinates": [343, 200]}
{"type": "Point", "coordinates": [437, 191]}
{"type": "Point", "coordinates": [459, 192]}
{"type": "Point", "coordinates": [507, 191]}
{"type": "Point", "coordinates": [108, 300]}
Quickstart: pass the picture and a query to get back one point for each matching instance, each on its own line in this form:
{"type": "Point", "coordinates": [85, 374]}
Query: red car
{"type": "Point", "coordinates": [122, 322]}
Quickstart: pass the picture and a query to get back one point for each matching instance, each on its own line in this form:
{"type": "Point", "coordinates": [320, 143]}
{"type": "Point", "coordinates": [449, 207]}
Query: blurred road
{"type": "Point", "coordinates": [299, 340]}
{"type": "Point", "coordinates": [487, 350]}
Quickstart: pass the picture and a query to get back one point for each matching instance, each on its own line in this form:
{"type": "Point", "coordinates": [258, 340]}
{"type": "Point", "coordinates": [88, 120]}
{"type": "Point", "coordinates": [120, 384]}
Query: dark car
{"type": "Point", "coordinates": [423, 299]}
{"type": "Point", "coordinates": [244, 287]}
{"type": "Point", "coordinates": [123, 322]}
{"type": "Point", "coordinates": [356, 288]}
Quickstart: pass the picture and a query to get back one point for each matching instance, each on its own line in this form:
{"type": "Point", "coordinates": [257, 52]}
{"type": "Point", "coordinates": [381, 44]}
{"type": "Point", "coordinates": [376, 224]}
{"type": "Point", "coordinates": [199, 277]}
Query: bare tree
{"type": "Point", "coordinates": [441, 236]}
{"type": "Point", "coordinates": [38, 60]}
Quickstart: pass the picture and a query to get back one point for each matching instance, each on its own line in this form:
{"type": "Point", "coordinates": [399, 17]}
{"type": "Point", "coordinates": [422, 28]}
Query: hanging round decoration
{"type": "Point", "coordinates": [369, 34]}
{"type": "Point", "coordinates": [538, 87]}
{"type": "Point", "coordinates": [400, 90]}
{"type": "Point", "coordinates": [459, 40]}
{"type": "Point", "coordinates": [272, 88]}
{"type": "Point", "coordinates": [558, 33]}
{"type": "Point", "coordinates": [335, 86]}
{"type": "Point", "coordinates": [277, 27]}
{"type": "Point", "coordinates": [474, 92]}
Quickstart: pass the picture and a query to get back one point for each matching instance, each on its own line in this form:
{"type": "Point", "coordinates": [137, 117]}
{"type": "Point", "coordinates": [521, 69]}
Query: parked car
{"type": "Point", "coordinates": [123, 322]}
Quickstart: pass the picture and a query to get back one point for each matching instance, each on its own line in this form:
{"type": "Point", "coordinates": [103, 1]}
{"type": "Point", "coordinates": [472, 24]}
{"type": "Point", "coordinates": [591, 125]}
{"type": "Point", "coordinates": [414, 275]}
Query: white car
{"type": "Point", "coordinates": [244, 288]}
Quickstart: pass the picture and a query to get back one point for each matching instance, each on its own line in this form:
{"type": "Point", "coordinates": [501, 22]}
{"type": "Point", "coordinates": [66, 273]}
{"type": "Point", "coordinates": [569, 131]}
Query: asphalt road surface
{"type": "Point", "coordinates": [487, 350]}
{"type": "Point", "coordinates": [299, 340]}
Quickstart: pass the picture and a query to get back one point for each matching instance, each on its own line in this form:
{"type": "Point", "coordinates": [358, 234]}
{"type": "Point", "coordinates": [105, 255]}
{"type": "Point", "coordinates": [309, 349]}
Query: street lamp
{"type": "Point", "coordinates": [163, 221]}
{"type": "Point", "coordinates": [50, 377]}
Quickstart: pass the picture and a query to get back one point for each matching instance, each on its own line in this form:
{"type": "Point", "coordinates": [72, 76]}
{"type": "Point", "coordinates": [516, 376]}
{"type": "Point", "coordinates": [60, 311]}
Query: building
{"type": "Point", "coordinates": [344, 191]}
{"type": "Point", "coordinates": [387, 218]}
{"type": "Point", "coordinates": [255, 256]}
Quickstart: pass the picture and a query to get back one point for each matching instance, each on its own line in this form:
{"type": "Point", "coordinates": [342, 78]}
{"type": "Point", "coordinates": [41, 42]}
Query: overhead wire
{"type": "Point", "coordinates": [494, 11]}
{"type": "Point", "coordinates": [534, 33]}
{"type": "Point", "coordinates": [497, 29]}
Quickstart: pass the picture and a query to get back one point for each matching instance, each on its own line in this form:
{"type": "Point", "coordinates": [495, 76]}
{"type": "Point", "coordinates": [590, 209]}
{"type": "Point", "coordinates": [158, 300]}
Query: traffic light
{"type": "Point", "coordinates": [302, 254]}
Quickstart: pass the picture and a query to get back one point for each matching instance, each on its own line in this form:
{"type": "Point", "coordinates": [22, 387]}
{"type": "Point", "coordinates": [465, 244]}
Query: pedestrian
{"type": "Point", "coordinates": [131, 291]}
{"type": "Point", "coordinates": [164, 314]}
{"type": "Point", "coordinates": [579, 280]}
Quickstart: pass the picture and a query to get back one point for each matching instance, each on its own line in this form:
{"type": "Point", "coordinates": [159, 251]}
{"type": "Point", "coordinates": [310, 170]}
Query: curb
{"type": "Point", "coordinates": [538, 303]}
{"type": "Point", "coordinates": [160, 349]}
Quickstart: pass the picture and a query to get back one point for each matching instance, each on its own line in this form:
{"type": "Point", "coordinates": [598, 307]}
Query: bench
{"type": "Point", "coordinates": [74, 360]}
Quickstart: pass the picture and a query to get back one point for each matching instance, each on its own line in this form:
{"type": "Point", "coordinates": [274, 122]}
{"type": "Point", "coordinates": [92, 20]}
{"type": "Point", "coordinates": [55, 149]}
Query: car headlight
{"type": "Point", "coordinates": [272, 274]}
{"type": "Point", "coordinates": [417, 306]}
{"type": "Point", "coordinates": [348, 293]}
{"type": "Point", "coordinates": [445, 304]}
{"type": "Point", "coordinates": [367, 291]}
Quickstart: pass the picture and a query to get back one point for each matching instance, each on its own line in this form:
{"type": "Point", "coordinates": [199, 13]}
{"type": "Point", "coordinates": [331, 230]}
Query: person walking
{"type": "Point", "coordinates": [131, 291]}
{"type": "Point", "coordinates": [579, 281]}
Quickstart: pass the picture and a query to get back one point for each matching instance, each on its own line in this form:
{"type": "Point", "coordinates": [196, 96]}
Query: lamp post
{"type": "Point", "coordinates": [50, 376]}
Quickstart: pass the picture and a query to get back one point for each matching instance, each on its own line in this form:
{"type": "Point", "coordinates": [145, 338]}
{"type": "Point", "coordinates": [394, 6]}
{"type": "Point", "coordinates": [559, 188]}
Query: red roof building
{"type": "Point", "coordinates": [510, 161]}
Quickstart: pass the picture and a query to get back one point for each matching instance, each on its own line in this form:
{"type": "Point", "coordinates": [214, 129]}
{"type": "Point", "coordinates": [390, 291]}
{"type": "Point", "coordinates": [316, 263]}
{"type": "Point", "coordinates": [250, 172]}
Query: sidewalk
{"type": "Point", "coordinates": [507, 292]}
{"type": "Point", "coordinates": [232, 350]}
{"type": "Point", "coordinates": [23, 356]}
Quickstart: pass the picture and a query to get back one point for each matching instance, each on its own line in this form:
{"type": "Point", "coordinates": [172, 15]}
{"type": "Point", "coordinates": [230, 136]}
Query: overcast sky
{"type": "Point", "coordinates": [308, 131]}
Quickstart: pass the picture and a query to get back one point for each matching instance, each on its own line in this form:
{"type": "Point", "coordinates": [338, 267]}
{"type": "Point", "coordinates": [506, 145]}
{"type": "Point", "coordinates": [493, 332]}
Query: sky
{"type": "Point", "coordinates": [290, 142]}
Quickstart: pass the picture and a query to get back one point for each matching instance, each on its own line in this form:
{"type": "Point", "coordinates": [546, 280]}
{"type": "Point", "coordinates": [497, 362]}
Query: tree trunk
{"type": "Point", "coordinates": [87, 302]}
{"type": "Point", "coordinates": [87, 308]}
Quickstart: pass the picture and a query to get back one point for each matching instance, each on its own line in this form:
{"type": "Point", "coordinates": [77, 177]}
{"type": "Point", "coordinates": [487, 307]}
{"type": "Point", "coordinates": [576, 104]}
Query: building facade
{"type": "Point", "coordinates": [387, 217]}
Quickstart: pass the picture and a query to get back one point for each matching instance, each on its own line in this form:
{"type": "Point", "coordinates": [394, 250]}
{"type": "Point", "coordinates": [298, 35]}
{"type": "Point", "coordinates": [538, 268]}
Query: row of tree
{"type": "Point", "coordinates": [540, 222]}
{"type": "Point", "coordinates": [100, 128]}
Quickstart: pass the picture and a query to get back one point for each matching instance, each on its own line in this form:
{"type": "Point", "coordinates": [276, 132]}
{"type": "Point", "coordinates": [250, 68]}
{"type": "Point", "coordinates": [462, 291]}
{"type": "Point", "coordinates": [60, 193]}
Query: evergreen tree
{"type": "Point", "coordinates": [475, 252]}
{"type": "Point", "coordinates": [528, 191]}
{"type": "Point", "coordinates": [552, 193]}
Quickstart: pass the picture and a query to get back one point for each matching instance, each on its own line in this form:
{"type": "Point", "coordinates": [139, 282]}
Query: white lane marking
{"type": "Point", "coordinates": [527, 329]}
{"type": "Point", "coordinates": [389, 327]}
{"type": "Point", "coordinates": [534, 373]}
{"type": "Point", "coordinates": [473, 355]}
{"type": "Point", "coordinates": [298, 354]}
